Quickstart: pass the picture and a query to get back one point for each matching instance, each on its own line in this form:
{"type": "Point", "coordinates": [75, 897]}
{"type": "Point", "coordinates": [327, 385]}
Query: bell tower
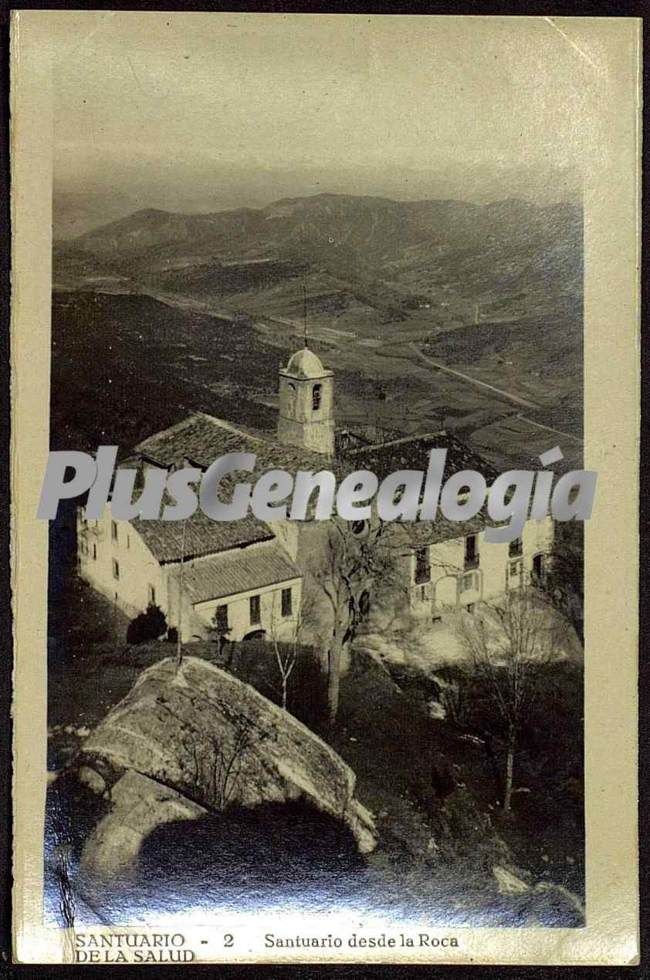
{"type": "Point", "coordinates": [306, 418]}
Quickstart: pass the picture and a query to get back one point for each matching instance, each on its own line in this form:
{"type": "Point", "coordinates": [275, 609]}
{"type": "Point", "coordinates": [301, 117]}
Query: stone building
{"type": "Point", "coordinates": [249, 577]}
{"type": "Point", "coordinates": [235, 577]}
{"type": "Point", "coordinates": [306, 413]}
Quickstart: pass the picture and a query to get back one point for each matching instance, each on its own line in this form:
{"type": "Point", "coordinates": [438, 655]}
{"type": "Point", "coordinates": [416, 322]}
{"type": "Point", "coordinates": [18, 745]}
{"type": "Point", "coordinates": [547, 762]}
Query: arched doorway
{"type": "Point", "coordinates": [254, 635]}
{"type": "Point", "coordinates": [445, 595]}
{"type": "Point", "coordinates": [537, 569]}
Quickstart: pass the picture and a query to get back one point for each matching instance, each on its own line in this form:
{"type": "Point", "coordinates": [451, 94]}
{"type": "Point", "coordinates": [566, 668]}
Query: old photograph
{"type": "Point", "coordinates": [337, 245]}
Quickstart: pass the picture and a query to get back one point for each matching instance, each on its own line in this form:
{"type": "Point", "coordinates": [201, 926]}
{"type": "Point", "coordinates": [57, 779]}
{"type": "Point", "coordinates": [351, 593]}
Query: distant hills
{"type": "Point", "coordinates": [448, 254]}
{"type": "Point", "coordinates": [196, 311]}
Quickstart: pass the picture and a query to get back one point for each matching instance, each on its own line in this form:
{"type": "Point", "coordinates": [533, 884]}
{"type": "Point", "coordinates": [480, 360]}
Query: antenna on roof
{"type": "Point", "coordinates": [304, 311]}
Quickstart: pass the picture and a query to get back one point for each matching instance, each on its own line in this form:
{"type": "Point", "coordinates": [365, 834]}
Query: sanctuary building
{"type": "Point", "coordinates": [250, 578]}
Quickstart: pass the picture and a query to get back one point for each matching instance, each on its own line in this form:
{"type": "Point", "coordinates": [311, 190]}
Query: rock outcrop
{"type": "Point", "coordinates": [194, 739]}
{"type": "Point", "coordinates": [139, 805]}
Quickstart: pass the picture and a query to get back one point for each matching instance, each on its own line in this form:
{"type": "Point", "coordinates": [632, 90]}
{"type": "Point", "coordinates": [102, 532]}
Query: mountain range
{"type": "Point", "coordinates": [426, 310]}
{"type": "Point", "coordinates": [513, 254]}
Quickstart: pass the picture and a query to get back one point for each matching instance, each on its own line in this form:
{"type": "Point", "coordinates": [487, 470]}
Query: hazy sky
{"type": "Point", "coordinates": [197, 111]}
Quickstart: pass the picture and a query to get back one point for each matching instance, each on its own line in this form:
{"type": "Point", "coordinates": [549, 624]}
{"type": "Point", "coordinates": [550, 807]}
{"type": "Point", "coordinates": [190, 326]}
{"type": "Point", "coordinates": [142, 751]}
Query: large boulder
{"type": "Point", "coordinates": [139, 806]}
{"type": "Point", "coordinates": [193, 739]}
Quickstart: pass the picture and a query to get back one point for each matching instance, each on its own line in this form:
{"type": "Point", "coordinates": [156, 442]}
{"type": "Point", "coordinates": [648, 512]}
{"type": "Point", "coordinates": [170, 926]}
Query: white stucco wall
{"type": "Point", "coordinates": [138, 568]}
{"type": "Point", "coordinates": [287, 533]}
{"type": "Point", "coordinates": [274, 624]}
{"type": "Point", "coordinates": [299, 424]}
{"type": "Point", "coordinates": [538, 538]}
{"type": "Point", "coordinates": [304, 541]}
{"type": "Point", "coordinates": [139, 571]}
{"type": "Point", "coordinates": [493, 575]}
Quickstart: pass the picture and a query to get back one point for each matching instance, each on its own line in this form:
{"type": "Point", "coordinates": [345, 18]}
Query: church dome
{"type": "Point", "coordinates": [305, 364]}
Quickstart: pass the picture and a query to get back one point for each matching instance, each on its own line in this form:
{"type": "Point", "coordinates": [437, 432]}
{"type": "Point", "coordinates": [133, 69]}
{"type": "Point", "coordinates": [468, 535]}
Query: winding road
{"type": "Point", "coordinates": [466, 377]}
{"type": "Point", "coordinates": [549, 428]}
{"type": "Point", "coordinates": [506, 394]}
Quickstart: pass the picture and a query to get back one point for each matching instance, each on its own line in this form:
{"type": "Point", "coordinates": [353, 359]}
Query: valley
{"type": "Point", "coordinates": [433, 314]}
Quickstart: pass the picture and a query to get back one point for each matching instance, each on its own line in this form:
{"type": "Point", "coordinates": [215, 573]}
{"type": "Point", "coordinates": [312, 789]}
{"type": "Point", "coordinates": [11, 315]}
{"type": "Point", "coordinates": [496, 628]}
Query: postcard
{"type": "Point", "coordinates": [325, 420]}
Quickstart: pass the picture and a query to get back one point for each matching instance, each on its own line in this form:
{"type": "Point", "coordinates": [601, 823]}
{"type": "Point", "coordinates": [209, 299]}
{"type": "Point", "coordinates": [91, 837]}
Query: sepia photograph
{"type": "Point", "coordinates": [347, 249]}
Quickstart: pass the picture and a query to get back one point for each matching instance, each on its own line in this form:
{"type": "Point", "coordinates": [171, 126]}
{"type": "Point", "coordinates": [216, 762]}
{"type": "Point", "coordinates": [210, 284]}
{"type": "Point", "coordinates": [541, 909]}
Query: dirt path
{"type": "Point", "coordinates": [548, 428]}
{"type": "Point", "coordinates": [474, 381]}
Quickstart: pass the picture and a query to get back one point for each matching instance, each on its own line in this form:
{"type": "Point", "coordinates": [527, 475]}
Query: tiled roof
{"type": "Point", "coordinates": [411, 535]}
{"type": "Point", "coordinates": [246, 571]}
{"type": "Point", "coordinates": [202, 536]}
{"type": "Point", "coordinates": [412, 453]}
{"type": "Point", "coordinates": [202, 438]}
{"type": "Point", "coordinates": [198, 437]}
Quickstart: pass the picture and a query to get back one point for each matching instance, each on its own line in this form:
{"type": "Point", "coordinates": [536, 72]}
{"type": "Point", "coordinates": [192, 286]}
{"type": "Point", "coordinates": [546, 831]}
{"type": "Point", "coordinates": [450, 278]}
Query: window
{"type": "Point", "coordinates": [221, 619]}
{"type": "Point", "coordinates": [291, 389]}
{"type": "Point", "coordinates": [254, 608]}
{"type": "Point", "coordinates": [116, 569]}
{"type": "Point", "coordinates": [422, 566]}
{"type": "Point", "coordinates": [515, 569]}
{"type": "Point", "coordinates": [538, 568]}
{"type": "Point", "coordinates": [470, 607]}
{"type": "Point", "coordinates": [471, 551]}
{"type": "Point", "coordinates": [515, 549]}
{"type": "Point", "coordinates": [469, 582]}
{"type": "Point", "coordinates": [95, 552]}
{"type": "Point", "coordinates": [152, 596]}
{"type": "Point", "coordinates": [286, 602]}
{"type": "Point", "coordinates": [128, 540]}
{"type": "Point", "coordinates": [113, 530]}
{"type": "Point", "coordinates": [316, 397]}
{"type": "Point", "coordinates": [423, 593]}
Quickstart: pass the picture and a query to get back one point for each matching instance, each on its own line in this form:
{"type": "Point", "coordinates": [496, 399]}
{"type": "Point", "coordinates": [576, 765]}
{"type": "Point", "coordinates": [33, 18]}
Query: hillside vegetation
{"type": "Point", "coordinates": [158, 313]}
{"type": "Point", "coordinates": [509, 253]}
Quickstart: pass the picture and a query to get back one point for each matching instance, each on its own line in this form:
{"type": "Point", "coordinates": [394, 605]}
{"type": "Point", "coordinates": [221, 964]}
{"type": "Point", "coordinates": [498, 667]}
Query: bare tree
{"type": "Point", "coordinates": [508, 641]}
{"type": "Point", "coordinates": [348, 568]}
{"type": "Point", "coordinates": [358, 568]}
{"type": "Point", "coordinates": [225, 761]}
{"type": "Point", "coordinates": [227, 767]}
{"type": "Point", "coordinates": [286, 654]}
{"type": "Point", "coordinates": [216, 765]}
{"type": "Point", "coordinates": [352, 568]}
{"type": "Point", "coordinates": [286, 657]}
{"type": "Point", "coordinates": [286, 651]}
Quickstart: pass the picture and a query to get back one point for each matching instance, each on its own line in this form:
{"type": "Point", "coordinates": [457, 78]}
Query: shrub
{"type": "Point", "coordinates": [147, 625]}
